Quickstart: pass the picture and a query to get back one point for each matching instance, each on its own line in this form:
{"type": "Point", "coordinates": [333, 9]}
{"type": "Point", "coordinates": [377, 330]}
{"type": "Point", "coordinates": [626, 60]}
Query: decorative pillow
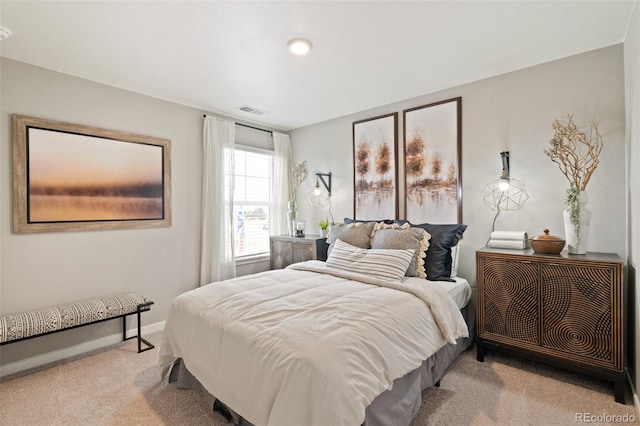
{"type": "Point", "coordinates": [403, 237]}
{"type": "Point", "coordinates": [385, 264]}
{"type": "Point", "coordinates": [387, 221]}
{"type": "Point", "coordinates": [357, 234]}
{"type": "Point", "coordinates": [438, 262]}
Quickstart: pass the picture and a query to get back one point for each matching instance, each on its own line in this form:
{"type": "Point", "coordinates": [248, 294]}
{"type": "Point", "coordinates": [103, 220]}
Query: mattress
{"type": "Point", "coordinates": [460, 290]}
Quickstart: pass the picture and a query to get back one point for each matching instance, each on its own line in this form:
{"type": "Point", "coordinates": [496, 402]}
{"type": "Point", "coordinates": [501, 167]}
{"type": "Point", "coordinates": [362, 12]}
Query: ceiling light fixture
{"type": "Point", "coordinates": [299, 46]}
{"type": "Point", "coordinates": [5, 33]}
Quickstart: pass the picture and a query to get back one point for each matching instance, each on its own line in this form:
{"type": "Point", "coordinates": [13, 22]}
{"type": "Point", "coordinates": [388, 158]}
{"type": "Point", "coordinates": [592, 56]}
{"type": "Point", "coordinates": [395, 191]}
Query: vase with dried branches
{"type": "Point", "coordinates": [296, 177]}
{"type": "Point", "coordinates": [577, 156]}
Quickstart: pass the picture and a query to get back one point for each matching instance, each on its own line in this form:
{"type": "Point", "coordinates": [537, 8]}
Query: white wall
{"type": "Point", "coordinates": [509, 112]}
{"type": "Point", "coordinates": [44, 269]}
{"type": "Point", "coordinates": [632, 83]}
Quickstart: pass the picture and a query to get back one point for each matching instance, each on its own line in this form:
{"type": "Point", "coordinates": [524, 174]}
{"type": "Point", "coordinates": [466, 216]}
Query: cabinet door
{"type": "Point", "coordinates": [578, 312]}
{"type": "Point", "coordinates": [281, 253]}
{"type": "Point", "coordinates": [508, 300]}
{"type": "Point", "coordinates": [303, 250]}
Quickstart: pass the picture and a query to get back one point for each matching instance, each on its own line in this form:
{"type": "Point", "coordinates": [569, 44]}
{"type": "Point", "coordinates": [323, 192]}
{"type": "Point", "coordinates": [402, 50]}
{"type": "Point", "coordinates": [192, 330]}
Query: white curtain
{"type": "Point", "coordinates": [217, 259]}
{"type": "Point", "coordinates": [280, 195]}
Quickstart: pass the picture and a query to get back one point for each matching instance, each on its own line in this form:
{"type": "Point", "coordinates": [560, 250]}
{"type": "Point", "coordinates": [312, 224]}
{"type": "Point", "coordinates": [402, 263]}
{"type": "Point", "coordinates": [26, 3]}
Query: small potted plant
{"type": "Point", "coordinates": [324, 227]}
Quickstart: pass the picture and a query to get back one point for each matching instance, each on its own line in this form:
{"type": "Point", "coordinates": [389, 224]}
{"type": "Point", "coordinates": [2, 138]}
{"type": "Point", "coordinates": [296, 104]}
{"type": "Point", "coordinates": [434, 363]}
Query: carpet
{"type": "Point", "coordinates": [118, 386]}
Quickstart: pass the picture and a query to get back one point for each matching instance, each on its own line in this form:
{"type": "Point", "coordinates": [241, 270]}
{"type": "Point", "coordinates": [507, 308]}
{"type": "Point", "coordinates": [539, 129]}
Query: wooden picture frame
{"type": "Point", "coordinates": [375, 171]}
{"type": "Point", "coordinates": [70, 177]}
{"type": "Point", "coordinates": [433, 162]}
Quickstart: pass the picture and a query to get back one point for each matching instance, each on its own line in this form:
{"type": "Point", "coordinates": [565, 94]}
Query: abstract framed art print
{"type": "Point", "coordinates": [70, 177]}
{"type": "Point", "coordinates": [375, 177]}
{"type": "Point", "coordinates": [432, 162]}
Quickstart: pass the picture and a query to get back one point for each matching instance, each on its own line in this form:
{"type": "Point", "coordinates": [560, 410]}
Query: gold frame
{"type": "Point", "coordinates": [21, 223]}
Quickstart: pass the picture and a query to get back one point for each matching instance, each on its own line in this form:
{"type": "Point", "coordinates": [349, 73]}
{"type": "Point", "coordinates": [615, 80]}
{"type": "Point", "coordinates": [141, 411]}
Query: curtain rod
{"type": "Point", "coordinates": [248, 126]}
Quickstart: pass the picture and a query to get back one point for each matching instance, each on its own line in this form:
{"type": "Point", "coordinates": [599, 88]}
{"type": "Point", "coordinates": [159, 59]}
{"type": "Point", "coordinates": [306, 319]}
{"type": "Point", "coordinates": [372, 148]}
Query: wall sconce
{"type": "Point", "coordinates": [504, 181]}
{"type": "Point", "coordinates": [317, 198]}
{"type": "Point", "coordinates": [320, 177]}
{"type": "Point", "coordinates": [504, 193]}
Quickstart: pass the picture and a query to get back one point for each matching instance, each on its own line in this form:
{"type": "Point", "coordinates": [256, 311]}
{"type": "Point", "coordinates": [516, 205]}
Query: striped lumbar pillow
{"type": "Point", "coordinates": [386, 264]}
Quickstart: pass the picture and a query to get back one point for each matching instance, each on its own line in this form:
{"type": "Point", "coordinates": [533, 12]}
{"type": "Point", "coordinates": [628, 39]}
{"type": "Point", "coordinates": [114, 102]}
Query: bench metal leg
{"type": "Point", "coordinates": [141, 340]}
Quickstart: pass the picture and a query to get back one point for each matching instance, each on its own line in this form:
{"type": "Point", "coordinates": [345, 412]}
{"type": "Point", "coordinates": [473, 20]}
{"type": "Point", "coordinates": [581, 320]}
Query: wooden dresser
{"type": "Point", "coordinates": [565, 310]}
{"type": "Point", "coordinates": [286, 250]}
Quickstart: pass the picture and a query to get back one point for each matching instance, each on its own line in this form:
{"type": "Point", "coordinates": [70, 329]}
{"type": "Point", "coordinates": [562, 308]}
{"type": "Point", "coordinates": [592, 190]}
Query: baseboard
{"type": "Point", "coordinates": [636, 401]}
{"type": "Point", "coordinates": [82, 348]}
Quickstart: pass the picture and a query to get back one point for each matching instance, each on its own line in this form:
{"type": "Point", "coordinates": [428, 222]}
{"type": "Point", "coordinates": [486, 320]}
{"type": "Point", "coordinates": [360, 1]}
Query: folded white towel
{"type": "Point", "coordinates": [508, 244]}
{"type": "Point", "coordinates": [509, 235]}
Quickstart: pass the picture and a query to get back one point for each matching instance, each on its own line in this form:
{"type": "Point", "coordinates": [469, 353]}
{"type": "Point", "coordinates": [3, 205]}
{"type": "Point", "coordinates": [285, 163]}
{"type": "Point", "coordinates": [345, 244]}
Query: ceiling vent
{"type": "Point", "coordinates": [251, 110]}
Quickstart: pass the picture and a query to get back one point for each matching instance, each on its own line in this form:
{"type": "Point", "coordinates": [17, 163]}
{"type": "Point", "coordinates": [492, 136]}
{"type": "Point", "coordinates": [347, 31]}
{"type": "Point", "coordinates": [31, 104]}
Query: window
{"type": "Point", "coordinates": [251, 199]}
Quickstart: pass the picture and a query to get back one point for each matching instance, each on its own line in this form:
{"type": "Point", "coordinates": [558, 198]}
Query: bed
{"type": "Point", "coordinates": [338, 343]}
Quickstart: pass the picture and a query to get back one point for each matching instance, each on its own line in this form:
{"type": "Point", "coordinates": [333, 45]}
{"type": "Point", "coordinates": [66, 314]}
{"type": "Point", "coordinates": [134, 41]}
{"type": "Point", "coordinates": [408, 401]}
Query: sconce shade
{"type": "Point", "coordinates": [511, 199]}
{"type": "Point", "coordinates": [317, 197]}
{"type": "Point", "coordinates": [504, 193]}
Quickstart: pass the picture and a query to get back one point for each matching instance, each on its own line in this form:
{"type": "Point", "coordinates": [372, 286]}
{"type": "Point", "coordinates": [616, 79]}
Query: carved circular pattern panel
{"type": "Point", "coordinates": [511, 300]}
{"type": "Point", "coordinates": [576, 314]}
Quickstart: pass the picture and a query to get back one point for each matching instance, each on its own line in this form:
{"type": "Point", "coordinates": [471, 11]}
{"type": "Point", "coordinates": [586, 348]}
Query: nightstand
{"type": "Point", "coordinates": [564, 310]}
{"type": "Point", "coordinates": [286, 250]}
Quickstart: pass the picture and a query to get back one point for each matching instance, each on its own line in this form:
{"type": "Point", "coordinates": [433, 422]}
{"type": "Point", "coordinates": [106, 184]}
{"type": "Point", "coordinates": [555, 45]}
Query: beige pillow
{"type": "Point", "coordinates": [357, 234]}
{"type": "Point", "coordinates": [398, 237]}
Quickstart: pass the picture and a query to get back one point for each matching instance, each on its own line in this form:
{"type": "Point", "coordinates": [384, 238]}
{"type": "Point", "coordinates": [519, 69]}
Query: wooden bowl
{"type": "Point", "coordinates": [548, 244]}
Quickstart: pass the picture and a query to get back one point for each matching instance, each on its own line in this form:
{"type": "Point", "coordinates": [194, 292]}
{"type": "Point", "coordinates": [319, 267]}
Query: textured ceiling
{"type": "Point", "coordinates": [218, 56]}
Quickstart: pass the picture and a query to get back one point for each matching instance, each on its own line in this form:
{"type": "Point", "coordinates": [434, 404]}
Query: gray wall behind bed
{"type": "Point", "coordinates": [511, 112]}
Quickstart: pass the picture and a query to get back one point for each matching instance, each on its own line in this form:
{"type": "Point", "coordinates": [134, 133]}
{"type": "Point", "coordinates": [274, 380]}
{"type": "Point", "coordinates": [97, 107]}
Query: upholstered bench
{"type": "Point", "coordinates": [27, 325]}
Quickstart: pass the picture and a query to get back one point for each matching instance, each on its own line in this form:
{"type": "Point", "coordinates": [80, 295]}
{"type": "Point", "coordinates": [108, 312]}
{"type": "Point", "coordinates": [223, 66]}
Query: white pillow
{"type": "Point", "coordinates": [386, 264]}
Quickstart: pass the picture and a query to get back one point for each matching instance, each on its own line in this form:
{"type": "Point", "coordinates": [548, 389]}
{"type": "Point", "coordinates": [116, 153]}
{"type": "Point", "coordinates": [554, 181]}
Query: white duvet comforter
{"type": "Point", "coordinates": [306, 345]}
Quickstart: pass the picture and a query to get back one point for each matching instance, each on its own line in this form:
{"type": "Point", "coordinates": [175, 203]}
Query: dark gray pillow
{"type": "Point", "coordinates": [437, 263]}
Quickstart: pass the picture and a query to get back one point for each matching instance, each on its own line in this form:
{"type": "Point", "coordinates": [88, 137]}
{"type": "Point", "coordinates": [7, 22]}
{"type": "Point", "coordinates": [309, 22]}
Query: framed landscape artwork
{"type": "Point", "coordinates": [69, 177]}
{"type": "Point", "coordinates": [375, 178]}
{"type": "Point", "coordinates": [432, 162]}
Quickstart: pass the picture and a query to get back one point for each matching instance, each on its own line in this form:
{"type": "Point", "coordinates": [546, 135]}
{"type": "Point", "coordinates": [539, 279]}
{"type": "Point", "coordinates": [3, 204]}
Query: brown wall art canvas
{"type": "Point", "coordinates": [432, 161]}
{"type": "Point", "coordinates": [375, 167]}
{"type": "Point", "coordinates": [74, 177]}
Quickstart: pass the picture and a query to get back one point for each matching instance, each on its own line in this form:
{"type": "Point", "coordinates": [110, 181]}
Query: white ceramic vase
{"type": "Point", "coordinates": [577, 241]}
{"type": "Point", "coordinates": [292, 216]}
